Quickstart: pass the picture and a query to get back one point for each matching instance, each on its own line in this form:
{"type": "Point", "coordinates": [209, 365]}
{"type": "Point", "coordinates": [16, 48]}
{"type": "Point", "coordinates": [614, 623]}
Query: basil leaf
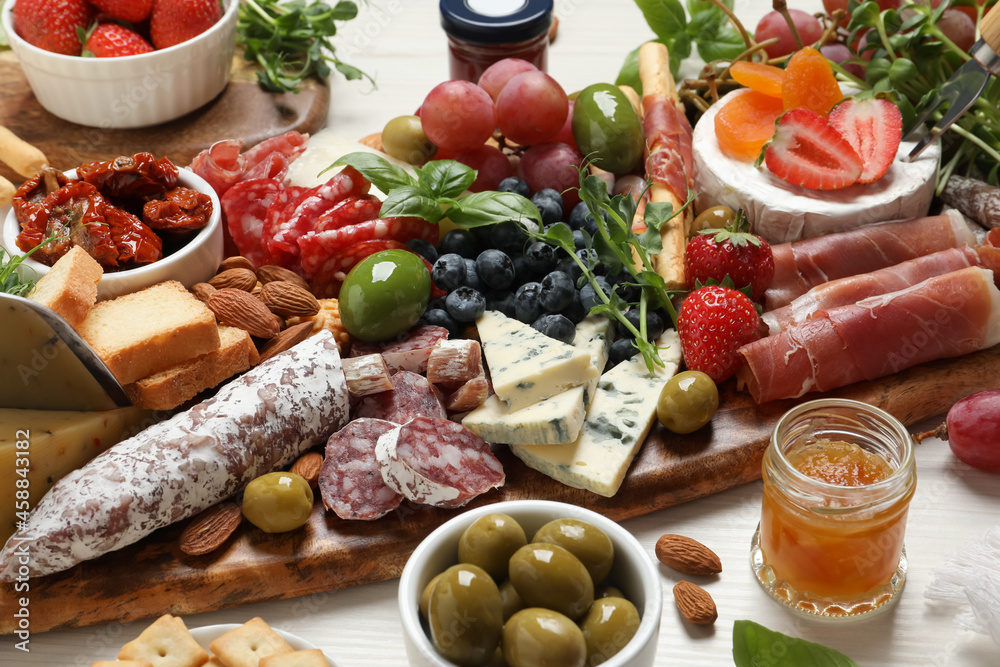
{"type": "Point", "coordinates": [487, 208]}
{"type": "Point", "coordinates": [408, 200]}
{"type": "Point", "coordinates": [665, 17]}
{"type": "Point", "coordinates": [445, 178]}
{"type": "Point", "coordinates": [719, 40]}
{"type": "Point", "coordinates": [628, 75]}
{"type": "Point", "coordinates": [698, 6]}
{"type": "Point", "coordinates": [383, 174]}
{"type": "Point", "coordinates": [754, 645]}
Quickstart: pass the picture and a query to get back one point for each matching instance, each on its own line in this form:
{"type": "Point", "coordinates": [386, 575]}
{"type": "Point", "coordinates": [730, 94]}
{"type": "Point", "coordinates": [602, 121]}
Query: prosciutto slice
{"type": "Point", "coordinates": [941, 317]}
{"type": "Point", "coordinates": [852, 289]}
{"type": "Point", "coordinates": [801, 265]}
{"type": "Point", "coordinates": [668, 137]}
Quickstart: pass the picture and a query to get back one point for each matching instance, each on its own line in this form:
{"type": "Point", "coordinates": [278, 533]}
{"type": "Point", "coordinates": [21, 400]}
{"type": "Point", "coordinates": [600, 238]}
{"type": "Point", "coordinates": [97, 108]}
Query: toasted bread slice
{"type": "Point", "coordinates": [70, 286]}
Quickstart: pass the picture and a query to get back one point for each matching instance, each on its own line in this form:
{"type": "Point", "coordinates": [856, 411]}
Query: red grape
{"type": "Point", "coordinates": [491, 165]}
{"type": "Point", "coordinates": [840, 54]}
{"type": "Point", "coordinates": [974, 430]}
{"type": "Point", "coordinates": [832, 5]}
{"type": "Point", "coordinates": [496, 76]}
{"type": "Point", "coordinates": [773, 25]}
{"type": "Point", "coordinates": [565, 135]}
{"type": "Point", "coordinates": [531, 108]}
{"type": "Point", "coordinates": [552, 165]}
{"type": "Point", "coordinates": [959, 28]}
{"type": "Point", "coordinates": [457, 116]}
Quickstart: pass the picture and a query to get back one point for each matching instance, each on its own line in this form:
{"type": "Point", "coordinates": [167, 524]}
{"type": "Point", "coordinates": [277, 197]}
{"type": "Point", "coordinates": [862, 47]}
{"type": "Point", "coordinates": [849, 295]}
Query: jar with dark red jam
{"type": "Point", "coordinates": [481, 32]}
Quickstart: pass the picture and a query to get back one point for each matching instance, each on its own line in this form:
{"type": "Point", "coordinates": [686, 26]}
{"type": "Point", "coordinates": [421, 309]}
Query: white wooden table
{"type": "Point", "coordinates": [401, 43]}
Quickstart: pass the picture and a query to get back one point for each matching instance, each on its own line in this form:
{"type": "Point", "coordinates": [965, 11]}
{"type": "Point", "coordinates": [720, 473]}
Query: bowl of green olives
{"type": "Point", "coordinates": [526, 583]}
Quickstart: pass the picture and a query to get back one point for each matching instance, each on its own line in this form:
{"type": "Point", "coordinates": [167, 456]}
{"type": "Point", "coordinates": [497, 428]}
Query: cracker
{"type": "Point", "coordinates": [165, 643]}
{"type": "Point", "coordinates": [248, 644]}
{"type": "Point", "coordinates": [122, 663]}
{"type": "Point", "coordinates": [311, 658]}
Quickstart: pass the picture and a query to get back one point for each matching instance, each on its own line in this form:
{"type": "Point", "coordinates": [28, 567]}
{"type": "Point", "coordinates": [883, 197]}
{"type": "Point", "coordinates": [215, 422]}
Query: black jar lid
{"type": "Point", "coordinates": [496, 21]}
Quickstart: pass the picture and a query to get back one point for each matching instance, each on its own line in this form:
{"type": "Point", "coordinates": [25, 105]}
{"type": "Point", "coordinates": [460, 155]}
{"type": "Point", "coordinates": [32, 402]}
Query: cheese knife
{"type": "Point", "coordinates": [964, 87]}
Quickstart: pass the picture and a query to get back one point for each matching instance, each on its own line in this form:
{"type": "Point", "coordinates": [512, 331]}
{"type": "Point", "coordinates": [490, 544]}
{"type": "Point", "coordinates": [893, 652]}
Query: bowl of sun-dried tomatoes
{"type": "Point", "coordinates": [142, 218]}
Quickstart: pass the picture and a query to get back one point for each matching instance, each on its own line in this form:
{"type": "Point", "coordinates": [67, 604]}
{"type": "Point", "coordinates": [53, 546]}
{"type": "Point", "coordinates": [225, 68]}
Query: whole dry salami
{"type": "Point", "coordinates": [437, 462]}
{"type": "Point", "coordinates": [411, 396]}
{"type": "Point", "coordinates": [350, 482]}
{"type": "Point", "coordinates": [259, 422]}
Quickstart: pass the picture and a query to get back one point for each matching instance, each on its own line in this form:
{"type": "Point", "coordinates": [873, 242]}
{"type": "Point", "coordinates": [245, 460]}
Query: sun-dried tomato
{"type": "Point", "coordinates": [75, 214]}
{"type": "Point", "coordinates": [27, 202]}
{"type": "Point", "coordinates": [181, 210]}
{"type": "Point", "coordinates": [135, 241]}
{"type": "Point", "coordinates": [140, 176]}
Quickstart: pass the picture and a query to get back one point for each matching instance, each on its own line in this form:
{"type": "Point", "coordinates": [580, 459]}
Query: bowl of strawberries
{"type": "Point", "coordinates": [114, 64]}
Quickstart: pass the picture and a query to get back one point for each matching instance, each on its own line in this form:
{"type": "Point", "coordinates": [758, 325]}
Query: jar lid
{"type": "Point", "coordinates": [496, 21]}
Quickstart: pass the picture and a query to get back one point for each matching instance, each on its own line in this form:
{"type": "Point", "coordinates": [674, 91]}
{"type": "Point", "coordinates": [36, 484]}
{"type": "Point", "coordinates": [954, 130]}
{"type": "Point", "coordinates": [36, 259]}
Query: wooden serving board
{"type": "Point", "coordinates": [153, 577]}
{"type": "Point", "coordinates": [242, 111]}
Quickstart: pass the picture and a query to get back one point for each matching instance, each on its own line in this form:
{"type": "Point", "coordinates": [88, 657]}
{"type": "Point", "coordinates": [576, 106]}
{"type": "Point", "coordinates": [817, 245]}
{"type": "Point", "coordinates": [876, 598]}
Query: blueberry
{"type": "Point", "coordinates": [527, 306]}
{"type": "Point", "coordinates": [588, 296]}
{"type": "Point", "coordinates": [654, 324]}
{"type": "Point", "coordinates": [495, 268]}
{"type": "Point", "coordinates": [472, 275]}
{"type": "Point", "coordinates": [515, 185]}
{"type": "Point", "coordinates": [578, 239]}
{"type": "Point", "coordinates": [423, 248]}
{"type": "Point", "coordinates": [550, 204]}
{"type": "Point", "coordinates": [502, 300]}
{"type": "Point", "coordinates": [591, 259]}
{"type": "Point", "coordinates": [555, 326]}
{"type": "Point", "coordinates": [626, 291]}
{"type": "Point", "coordinates": [509, 237]}
{"type": "Point", "coordinates": [448, 271]}
{"type": "Point", "coordinates": [436, 303]}
{"type": "Point", "coordinates": [581, 218]}
{"type": "Point", "coordinates": [465, 304]}
{"type": "Point", "coordinates": [540, 257]}
{"type": "Point", "coordinates": [557, 291]}
{"type": "Point", "coordinates": [575, 311]}
{"type": "Point", "coordinates": [459, 241]}
{"type": "Point", "coordinates": [440, 318]}
{"type": "Point", "coordinates": [621, 350]}
{"type": "Point", "coordinates": [523, 273]}
{"type": "Point", "coordinates": [569, 266]}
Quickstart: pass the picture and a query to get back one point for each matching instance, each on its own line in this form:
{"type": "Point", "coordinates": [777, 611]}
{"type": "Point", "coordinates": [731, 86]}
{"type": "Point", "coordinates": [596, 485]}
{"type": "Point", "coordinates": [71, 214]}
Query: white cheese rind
{"type": "Point", "coordinates": [616, 426]}
{"type": "Point", "coordinates": [782, 212]}
{"type": "Point", "coordinates": [526, 365]}
{"type": "Point", "coordinates": [554, 420]}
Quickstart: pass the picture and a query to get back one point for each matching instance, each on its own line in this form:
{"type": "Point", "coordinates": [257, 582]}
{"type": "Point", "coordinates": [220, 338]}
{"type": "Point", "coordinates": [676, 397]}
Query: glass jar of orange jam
{"type": "Point", "coordinates": [838, 479]}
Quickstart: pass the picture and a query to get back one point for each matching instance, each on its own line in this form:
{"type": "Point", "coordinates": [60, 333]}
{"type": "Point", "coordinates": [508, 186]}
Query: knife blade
{"type": "Point", "coordinates": [963, 88]}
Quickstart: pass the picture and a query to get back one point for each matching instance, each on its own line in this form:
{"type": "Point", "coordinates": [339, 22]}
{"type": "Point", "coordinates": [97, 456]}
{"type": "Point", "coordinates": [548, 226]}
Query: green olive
{"type": "Point", "coordinates": [608, 627]}
{"type": "Point", "coordinates": [490, 542]}
{"type": "Point", "coordinates": [547, 575]}
{"type": "Point", "coordinates": [384, 294]}
{"type": "Point", "coordinates": [583, 540]}
{"type": "Point", "coordinates": [687, 402]}
{"type": "Point", "coordinates": [403, 138]}
{"type": "Point", "coordinates": [716, 217]}
{"type": "Point", "coordinates": [512, 602]}
{"type": "Point", "coordinates": [607, 591]}
{"type": "Point", "coordinates": [465, 615]}
{"type": "Point", "coordinates": [425, 596]}
{"type": "Point", "coordinates": [278, 502]}
{"type": "Point", "coordinates": [606, 124]}
{"type": "Point", "coordinates": [536, 637]}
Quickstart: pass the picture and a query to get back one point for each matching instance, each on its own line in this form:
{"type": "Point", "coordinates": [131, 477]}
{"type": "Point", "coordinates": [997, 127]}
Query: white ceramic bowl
{"type": "Point", "coordinates": [207, 634]}
{"type": "Point", "coordinates": [131, 91]}
{"type": "Point", "coordinates": [195, 262]}
{"type": "Point", "coordinates": [634, 573]}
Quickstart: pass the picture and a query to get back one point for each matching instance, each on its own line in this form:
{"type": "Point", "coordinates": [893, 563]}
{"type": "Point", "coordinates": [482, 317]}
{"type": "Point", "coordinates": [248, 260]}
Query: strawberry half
{"type": "Point", "coordinates": [807, 151]}
{"type": "Point", "coordinates": [873, 128]}
{"type": "Point", "coordinates": [714, 322]}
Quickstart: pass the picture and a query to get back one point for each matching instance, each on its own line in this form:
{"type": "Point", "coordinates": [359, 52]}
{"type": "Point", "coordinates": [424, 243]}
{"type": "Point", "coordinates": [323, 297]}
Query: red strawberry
{"type": "Point", "coordinates": [873, 127]}
{"type": "Point", "coordinates": [52, 24]}
{"type": "Point", "coordinates": [176, 21]}
{"type": "Point", "coordinates": [713, 323]}
{"type": "Point", "coordinates": [806, 151]}
{"type": "Point", "coordinates": [110, 40]}
{"type": "Point", "coordinates": [746, 258]}
{"type": "Point", "coordinates": [132, 11]}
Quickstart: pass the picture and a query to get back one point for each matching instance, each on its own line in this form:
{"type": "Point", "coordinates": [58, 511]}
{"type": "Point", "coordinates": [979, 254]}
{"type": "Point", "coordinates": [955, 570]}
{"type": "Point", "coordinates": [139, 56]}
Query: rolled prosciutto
{"type": "Point", "coordinates": [852, 289]}
{"type": "Point", "coordinates": [941, 317]}
{"type": "Point", "coordinates": [801, 265]}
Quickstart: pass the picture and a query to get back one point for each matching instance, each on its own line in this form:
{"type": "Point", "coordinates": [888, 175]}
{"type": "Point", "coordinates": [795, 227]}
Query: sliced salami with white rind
{"type": "Point", "coordinates": [367, 375]}
{"type": "Point", "coordinates": [453, 362]}
{"type": "Point", "coordinates": [349, 481]}
{"type": "Point", "coordinates": [411, 396]}
{"type": "Point", "coordinates": [409, 352]}
{"type": "Point", "coordinates": [437, 462]}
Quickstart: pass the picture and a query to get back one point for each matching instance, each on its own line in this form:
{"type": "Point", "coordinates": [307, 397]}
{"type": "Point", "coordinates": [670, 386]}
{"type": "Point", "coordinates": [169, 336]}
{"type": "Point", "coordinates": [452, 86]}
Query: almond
{"type": "Point", "coordinates": [695, 603]}
{"type": "Point", "coordinates": [272, 273]}
{"type": "Point", "coordinates": [236, 262]}
{"type": "Point", "coordinates": [236, 308]}
{"type": "Point", "coordinates": [209, 530]}
{"type": "Point", "coordinates": [202, 291]}
{"type": "Point", "coordinates": [288, 299]}
{"type": "Point", "coordinates": [241, 279]}
{"type": "Point", "coordinates": [687, 556]}
{"type": "Point", "coordinates": [308, 466]}
{"type": "Point", "coordinates": [286, 340]}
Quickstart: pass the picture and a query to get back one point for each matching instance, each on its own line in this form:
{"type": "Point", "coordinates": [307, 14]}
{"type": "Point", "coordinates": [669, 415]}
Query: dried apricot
{"type": "Point", "coordinates": [809, 83]}
{"type": "Point", "coordinates": [745, 123]}
{"type": "Point", "coordinates": [763, 78]}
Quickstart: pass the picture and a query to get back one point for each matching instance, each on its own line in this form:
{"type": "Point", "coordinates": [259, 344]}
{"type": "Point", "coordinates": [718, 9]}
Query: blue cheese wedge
{"type": "Point", "coordinates": [526, 365]}
{"type": "Point", "coordinates": [617, 423]}
{"type": "Point", "coordinates": [554, 420]}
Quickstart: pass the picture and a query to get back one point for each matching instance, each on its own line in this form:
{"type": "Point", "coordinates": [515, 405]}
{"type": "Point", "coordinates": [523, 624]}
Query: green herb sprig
{"type": "Point", "coordinates": [291, 41]}
{"type": "Point", "coordinates": [754, 645]}
{"type": "Point", "coordinates": [10, 281]}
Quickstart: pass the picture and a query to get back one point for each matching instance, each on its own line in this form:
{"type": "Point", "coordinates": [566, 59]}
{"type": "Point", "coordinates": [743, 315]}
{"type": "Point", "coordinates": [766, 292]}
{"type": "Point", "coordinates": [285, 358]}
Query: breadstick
{"type": "Point", "coordinates": [7, 191]}
{"type": "Point", "coordinates": [22, 157]}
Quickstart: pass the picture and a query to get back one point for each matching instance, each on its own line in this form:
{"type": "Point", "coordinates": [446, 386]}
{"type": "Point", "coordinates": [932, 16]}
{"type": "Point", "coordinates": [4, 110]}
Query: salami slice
{"type": "Point", "coordinates": [437, 462]}
{"type": "Point", "coordinates": [289, 145]}
{"type": "Point", "coordinates": [411, 396]}
{"type": "Point", "coordinates": [273, 166]}
{"type": "Point", "coordinates": [470, 395]}
{"type": "Point", "coordinates": [350, 482]}
{"type": "Point", "coordinates": [409, 352]}
{"type": "Point", "coordinates": [245, 206]}
{"type": "Point", "coordinates": [287, 198]}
